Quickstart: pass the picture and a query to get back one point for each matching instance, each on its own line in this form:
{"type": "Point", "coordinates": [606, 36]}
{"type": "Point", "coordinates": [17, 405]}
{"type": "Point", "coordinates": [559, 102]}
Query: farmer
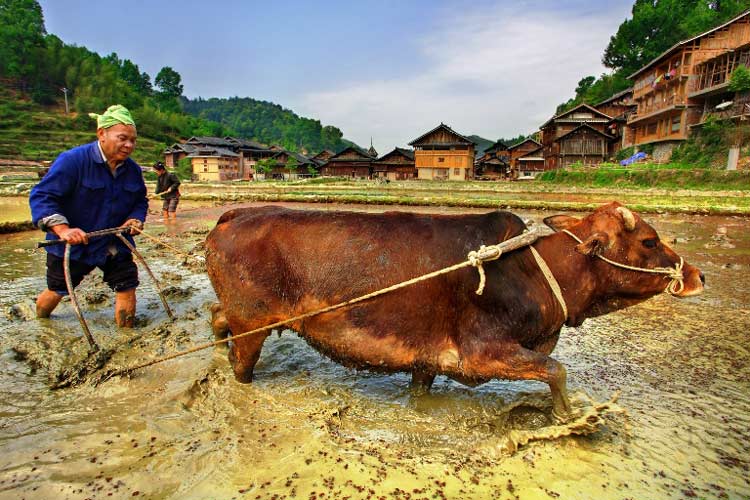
{"type": "Point", "coordinates": [91, 187]}
{"type": "Point", "coordinates": [167, 185]}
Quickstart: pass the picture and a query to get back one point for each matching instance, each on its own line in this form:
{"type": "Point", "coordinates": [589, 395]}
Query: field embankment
{"type": "Point", "coordinates": [516, 195]}
{"type": "Point", "coordinates": [672, 176]}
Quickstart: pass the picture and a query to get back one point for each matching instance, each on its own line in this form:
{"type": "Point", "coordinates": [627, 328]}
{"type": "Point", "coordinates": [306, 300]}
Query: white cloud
{"type": "Point", "coordinates": [497, 73]}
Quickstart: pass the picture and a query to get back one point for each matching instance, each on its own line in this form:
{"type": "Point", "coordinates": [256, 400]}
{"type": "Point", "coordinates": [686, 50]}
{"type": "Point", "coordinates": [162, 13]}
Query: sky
{"type": "Point", "coordinates": [386, 71]}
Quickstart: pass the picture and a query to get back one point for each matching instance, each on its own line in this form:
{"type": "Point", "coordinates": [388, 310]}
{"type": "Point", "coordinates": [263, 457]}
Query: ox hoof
{"type": "Point", "coordinates": [242, 374]}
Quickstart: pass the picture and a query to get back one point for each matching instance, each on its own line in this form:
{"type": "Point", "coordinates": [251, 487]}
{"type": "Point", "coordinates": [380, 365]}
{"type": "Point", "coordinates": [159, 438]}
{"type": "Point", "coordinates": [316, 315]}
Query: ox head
{"type": "Point", "coordinates": [615, 233]}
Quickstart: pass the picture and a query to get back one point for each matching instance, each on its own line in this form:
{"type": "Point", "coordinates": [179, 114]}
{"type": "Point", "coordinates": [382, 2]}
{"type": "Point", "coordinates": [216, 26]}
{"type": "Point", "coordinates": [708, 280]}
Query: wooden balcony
{"type": "Point", "coordinates": [669, 104]}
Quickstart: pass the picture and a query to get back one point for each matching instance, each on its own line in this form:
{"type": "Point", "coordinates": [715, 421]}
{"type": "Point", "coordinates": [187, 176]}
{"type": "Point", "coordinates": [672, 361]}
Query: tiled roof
{"type": "Point", "coordinates": [448, 129]}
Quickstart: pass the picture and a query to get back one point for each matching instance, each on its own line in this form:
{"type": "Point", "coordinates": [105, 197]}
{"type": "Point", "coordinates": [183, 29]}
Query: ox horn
{"type": "Point", "coordinates": [628, 218]}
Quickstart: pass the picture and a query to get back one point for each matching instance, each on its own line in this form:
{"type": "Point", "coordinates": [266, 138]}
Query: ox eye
{"type": "Point", "coordinates": [650, 243]}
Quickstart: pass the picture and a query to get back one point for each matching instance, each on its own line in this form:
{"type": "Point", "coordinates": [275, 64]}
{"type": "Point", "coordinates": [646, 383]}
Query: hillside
{"type": "Point", "coordinates": [35, 66]}
{"type": "Point", "coordinates": [267, 123]}
{"type": "Point", "coordinates": [33, 132]}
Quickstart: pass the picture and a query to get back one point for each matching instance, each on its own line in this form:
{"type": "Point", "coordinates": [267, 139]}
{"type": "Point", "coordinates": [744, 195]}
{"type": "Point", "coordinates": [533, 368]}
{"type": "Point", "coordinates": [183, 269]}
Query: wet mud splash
{"type": "Point", "coordinates": [309, 428]}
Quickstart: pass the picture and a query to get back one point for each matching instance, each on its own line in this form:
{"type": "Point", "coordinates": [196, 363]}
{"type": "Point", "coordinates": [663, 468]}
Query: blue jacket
{"type": "Point", "coordinates": [81, 187]}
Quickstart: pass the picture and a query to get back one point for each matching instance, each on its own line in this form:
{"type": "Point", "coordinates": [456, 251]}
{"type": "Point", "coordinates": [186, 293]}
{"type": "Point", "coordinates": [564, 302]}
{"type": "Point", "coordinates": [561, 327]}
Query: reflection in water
{"type": "Point", "coordinates": [186, 429]}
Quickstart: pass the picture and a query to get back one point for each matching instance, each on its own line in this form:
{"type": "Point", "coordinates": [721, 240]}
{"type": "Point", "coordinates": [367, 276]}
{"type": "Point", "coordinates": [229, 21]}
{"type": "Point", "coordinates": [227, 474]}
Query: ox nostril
{"type": "Point", "coordinates": [703, 278]}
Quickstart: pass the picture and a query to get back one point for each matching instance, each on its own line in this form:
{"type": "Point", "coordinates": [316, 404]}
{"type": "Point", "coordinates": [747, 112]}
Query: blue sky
{"type": "Point", "coordinates": [390, 70]}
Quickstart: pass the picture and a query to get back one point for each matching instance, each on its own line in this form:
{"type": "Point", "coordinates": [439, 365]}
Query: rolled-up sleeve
{"type": "Point", "coordinates": [47, 197]}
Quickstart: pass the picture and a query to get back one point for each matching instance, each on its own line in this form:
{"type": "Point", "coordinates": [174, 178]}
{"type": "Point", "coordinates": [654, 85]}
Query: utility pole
{"type": "Point", "coordinates": [65, 91]}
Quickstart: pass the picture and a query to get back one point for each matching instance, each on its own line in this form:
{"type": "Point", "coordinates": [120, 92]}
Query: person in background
{"type": "Point", "coordinates": [88, 188]}
{"type": "Point", "coordinates": [168, 186]}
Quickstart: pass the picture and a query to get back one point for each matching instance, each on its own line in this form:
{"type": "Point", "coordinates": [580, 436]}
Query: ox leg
{"type": "Point", "coordinates": [517, 363]}
{"type": "Point", "coordinates": [219, 323]}
{"type": "Point", "coordinates": [421, 382]}
{"type": "Point", "coordinates": [244, 354]}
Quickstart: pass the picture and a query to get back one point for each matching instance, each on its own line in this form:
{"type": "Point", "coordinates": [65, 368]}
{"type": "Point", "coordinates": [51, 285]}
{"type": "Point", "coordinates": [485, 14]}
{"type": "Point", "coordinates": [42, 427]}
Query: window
{"type": "Point", "coordinates": [676, 124]}
{"type": "Point", "coordinates": [456, 171]}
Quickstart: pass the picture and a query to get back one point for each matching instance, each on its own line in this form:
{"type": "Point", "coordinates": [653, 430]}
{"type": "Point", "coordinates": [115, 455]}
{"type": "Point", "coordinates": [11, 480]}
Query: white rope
{"type": "Point", "coordinates": [553, 284]}
{"type": "Point", "coordinates": [477, 257]}
{"type": "Point", "coordinates": [675, 286]}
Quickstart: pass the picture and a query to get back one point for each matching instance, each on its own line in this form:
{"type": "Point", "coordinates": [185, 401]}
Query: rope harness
{"type": "Point", "coordinates": [675, 286]}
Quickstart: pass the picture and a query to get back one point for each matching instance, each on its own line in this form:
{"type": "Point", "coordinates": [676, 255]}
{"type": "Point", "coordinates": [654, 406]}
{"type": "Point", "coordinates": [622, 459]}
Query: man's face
{"type": "Point", "coordinates": [160, 171]}
{"type": "Point", "coordinates": [118, 141]}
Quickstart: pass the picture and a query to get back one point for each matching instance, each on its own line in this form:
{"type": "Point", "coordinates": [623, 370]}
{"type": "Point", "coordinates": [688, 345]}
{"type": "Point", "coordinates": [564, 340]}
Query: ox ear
{"type": "Point", "coordinates": [594, 244]}
{"type": "Point", "coordinates": [560, 222]}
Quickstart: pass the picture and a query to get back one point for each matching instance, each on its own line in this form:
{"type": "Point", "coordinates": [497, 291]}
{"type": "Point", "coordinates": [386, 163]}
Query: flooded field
{"type": "Point", "coordinates": [308, 428]}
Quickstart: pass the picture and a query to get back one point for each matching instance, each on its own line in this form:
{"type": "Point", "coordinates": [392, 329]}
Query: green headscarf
{"type": "Point", "coordinates": [114, 115]}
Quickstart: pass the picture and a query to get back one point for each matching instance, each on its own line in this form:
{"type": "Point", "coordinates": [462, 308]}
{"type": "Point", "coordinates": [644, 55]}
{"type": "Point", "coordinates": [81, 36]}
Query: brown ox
{"type": "Point", "coordinates": [273, 263]}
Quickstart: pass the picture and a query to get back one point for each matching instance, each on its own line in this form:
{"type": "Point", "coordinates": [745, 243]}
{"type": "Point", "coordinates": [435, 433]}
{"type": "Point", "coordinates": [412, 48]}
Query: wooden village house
{"type": "Point", "coordinates": [494, 164]}
{"type": "Point", "coordinates": [529, 164]}
{"type": "Point", "coordinates": [519, 150]}
{"type": "Point", "coordinates": [351, 162]}
{"type": "Point", "coordinates": [687, 83]}
{"type": "Point", "coordinates": [215, 164]}
{"type": "Point", "coordinates": [288, 165]}
{"type": "Point", "coordinates": [579, 135]}
{"type": "Point", "coordinates": [398, 165]}
{"type": "Point", "coordinates": [248, 153]}
{"type": "Point", "coordinates": [443, 154]}
{"type": "Point", "coordinates": [620, 106]}
{"type": "Point", "coordinates": [321, 158]}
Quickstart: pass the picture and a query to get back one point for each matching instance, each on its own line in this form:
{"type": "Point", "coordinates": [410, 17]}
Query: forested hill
{"type": "Point", "coordinates": [655, 26]}
{"type": "Point", "coordinates": [267, 123]}
{"type": "Point", "coordinates": [36, 66]}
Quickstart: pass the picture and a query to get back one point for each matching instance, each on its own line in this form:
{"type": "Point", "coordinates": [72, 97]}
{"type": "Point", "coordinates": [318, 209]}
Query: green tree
{"type": "Point", "coordinates": [184, 169]}
{"type": "Point", "coordinates": [265, 166]}
{"type": "Point", "coordinates": [22, 43]}
{"type": "Point", "coordinates": [584, 85]}
{"type": "Point", "coordinates": [169, 83]}
{"type": "Point", "coordinates": [292, 164]}
{"type": "Point", "coordinates": [739, 81]}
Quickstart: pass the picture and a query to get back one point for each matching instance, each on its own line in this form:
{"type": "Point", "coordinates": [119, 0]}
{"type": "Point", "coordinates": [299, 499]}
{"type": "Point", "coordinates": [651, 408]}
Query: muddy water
{"type": "Point", "coordinates": [308, 428]}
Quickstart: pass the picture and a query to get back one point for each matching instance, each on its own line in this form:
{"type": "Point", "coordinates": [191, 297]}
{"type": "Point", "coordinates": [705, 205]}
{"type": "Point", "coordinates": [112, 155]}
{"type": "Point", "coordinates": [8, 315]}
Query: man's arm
{"type": "Point", "coordinates": [48, 196]}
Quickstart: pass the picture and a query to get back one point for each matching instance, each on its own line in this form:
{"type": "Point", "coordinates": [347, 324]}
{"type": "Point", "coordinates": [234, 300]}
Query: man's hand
{"type": "Point", "coordinates": [134, 224]}
{"type": "Point", "coordinates": [72, 235]}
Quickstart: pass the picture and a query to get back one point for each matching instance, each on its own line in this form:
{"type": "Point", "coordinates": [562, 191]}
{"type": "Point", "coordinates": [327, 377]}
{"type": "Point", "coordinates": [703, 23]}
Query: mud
{"type": "Point", "coordinates": [309, 428]}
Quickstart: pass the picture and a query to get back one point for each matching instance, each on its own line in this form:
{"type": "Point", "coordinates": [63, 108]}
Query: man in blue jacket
{"type": "Point", "coordinates": [91, 187]}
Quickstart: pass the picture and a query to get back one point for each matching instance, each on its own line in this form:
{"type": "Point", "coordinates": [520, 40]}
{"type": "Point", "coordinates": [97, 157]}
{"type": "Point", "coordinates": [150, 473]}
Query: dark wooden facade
{"type": "Point", "coordinates": [305, 167]}
{"type": "Point", "coordinates": [530, 164]}
{"type": "Point", "coordinates": [351, 162]}
{"type": "Point", "coordinates": [321, 158]}
{"type": "Point", "coordinates": [398, 165]}
{"type": "Point", "coordinates": [560, 126]}
{"type": "Point", "coordinates": [584, 144]}
{"type": "Point", "coordinates": [519, 150]}
{"type": "Point", "coordinates": [494, 164]}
